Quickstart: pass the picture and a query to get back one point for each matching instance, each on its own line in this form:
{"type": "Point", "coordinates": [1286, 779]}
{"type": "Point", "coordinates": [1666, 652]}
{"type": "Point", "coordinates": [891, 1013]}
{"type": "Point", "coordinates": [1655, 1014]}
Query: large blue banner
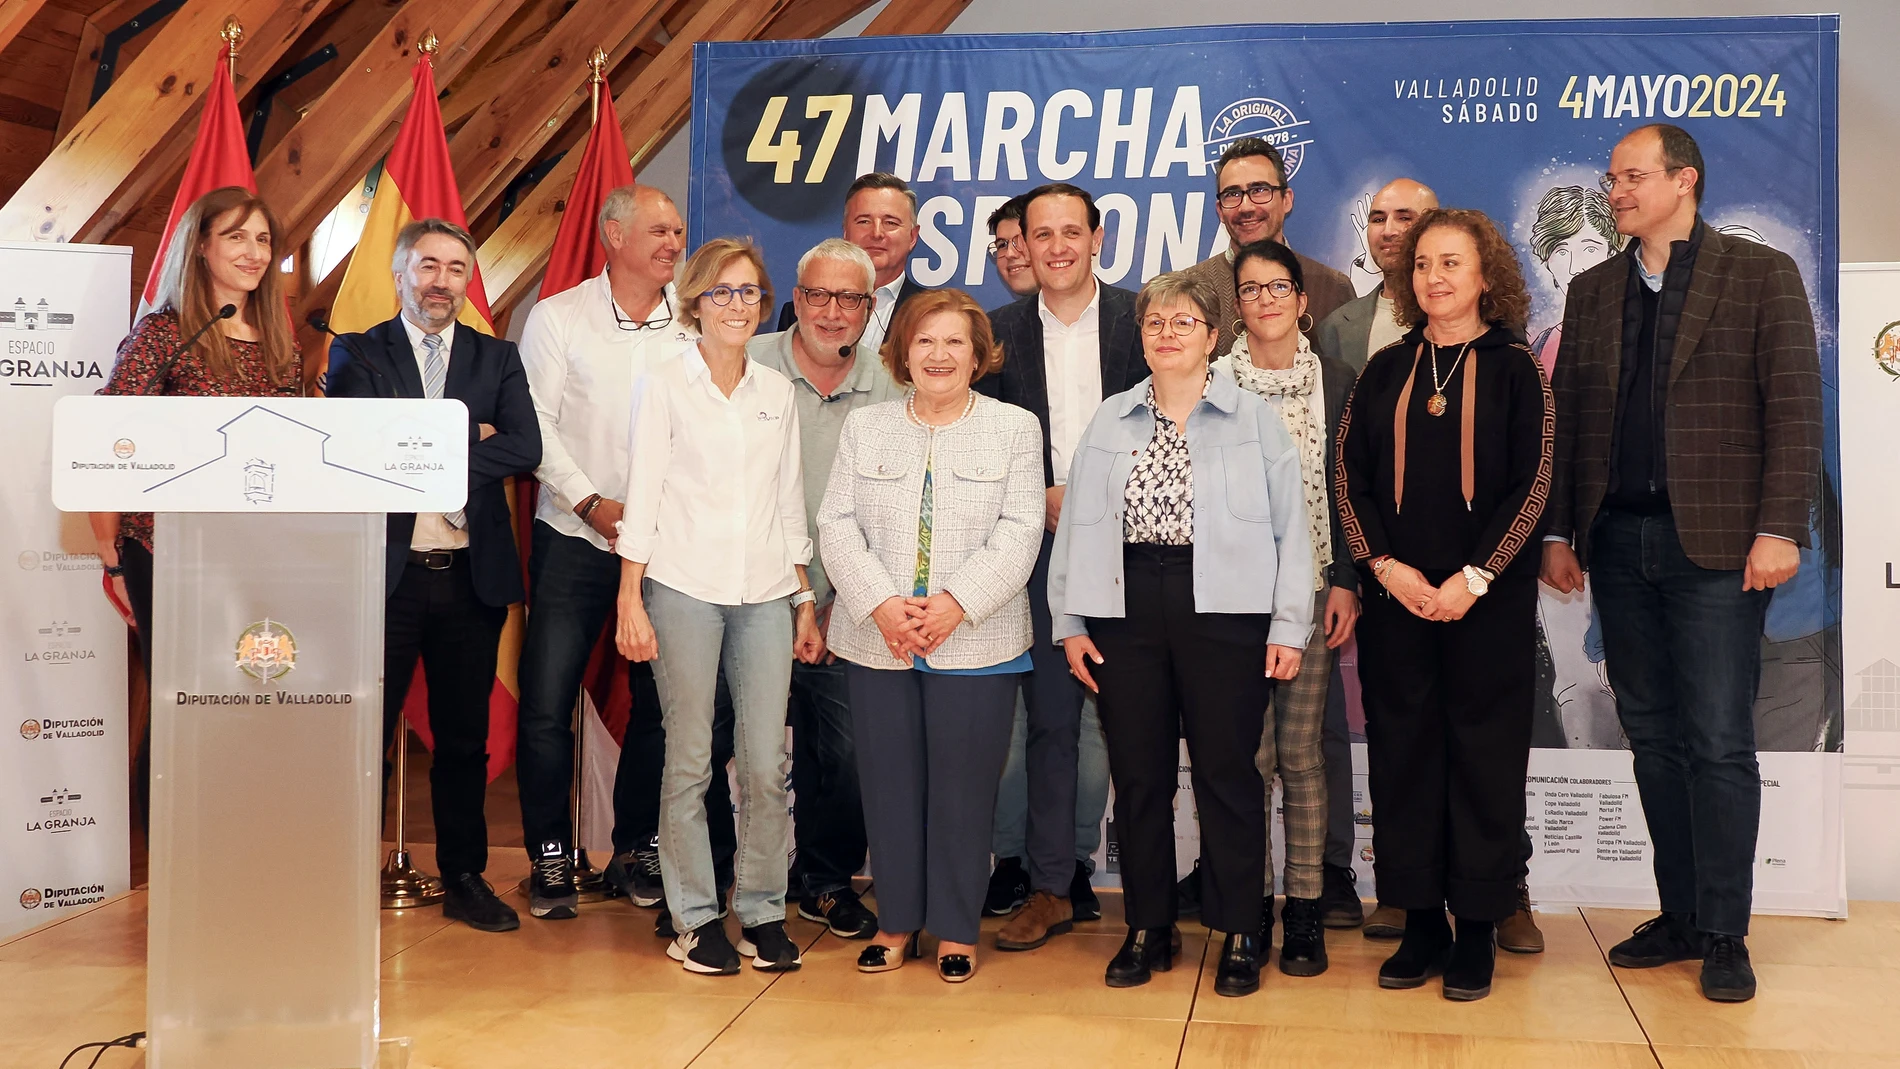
{"type": "Point", "coordinates": [1514, 118]}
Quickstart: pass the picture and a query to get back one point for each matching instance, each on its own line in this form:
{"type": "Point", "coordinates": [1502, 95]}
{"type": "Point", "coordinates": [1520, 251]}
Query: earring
{"type": "Point", "coordinates": [1306, 322]}
{"type": "Point", "coordinates": [1240, 326]}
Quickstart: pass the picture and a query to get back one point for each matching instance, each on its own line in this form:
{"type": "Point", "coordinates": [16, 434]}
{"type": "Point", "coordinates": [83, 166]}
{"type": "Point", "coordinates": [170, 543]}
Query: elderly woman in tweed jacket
{"type": "Point", "coordinates": [929, 529]}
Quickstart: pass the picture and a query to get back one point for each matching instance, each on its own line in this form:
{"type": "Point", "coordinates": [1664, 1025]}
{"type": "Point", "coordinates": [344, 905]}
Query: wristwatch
{"type": "Point", "coordinates": [1477, 580]}
{"type": "Point", "coordinates": [804, 597]}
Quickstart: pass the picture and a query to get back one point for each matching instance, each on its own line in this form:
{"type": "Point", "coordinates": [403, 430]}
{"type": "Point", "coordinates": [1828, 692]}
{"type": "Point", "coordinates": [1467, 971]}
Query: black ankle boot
{"type": "Point", "coordinates": [1239, 972]}
{"type": "Point", "coordinates": [1145, 951]}
{"type": "Point", "coordinates": [1303, 948]}
{"type": "Point", "coordinates": [1422, 954]}
{"type": "Point", "coordinates": [1473, 954]}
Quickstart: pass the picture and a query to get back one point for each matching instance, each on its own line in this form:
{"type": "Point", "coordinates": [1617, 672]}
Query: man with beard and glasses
{"type": "Point", "coordinates": [880, 217]}
{"type": "Point", "coordinates": [1254, 199]}
{"type": "Point", "coordinates": [833, 374]}
{"type": "Point", "coordinates": [449, 578]}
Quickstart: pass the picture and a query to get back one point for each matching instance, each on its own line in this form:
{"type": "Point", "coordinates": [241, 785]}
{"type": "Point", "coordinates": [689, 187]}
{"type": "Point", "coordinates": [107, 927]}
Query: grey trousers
{"type": "Point", "coordinates": [930, 752]}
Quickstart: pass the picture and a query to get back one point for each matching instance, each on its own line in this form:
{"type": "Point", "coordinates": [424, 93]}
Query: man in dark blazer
{"type": "Point", "coordinates": [880, 217]}
{"type": "Point", "coordinates": [1065, 351]}
{"type": "Point", "coordinates": [449, 578]}
{"type": "Point", "coordinates": [1688, 459]}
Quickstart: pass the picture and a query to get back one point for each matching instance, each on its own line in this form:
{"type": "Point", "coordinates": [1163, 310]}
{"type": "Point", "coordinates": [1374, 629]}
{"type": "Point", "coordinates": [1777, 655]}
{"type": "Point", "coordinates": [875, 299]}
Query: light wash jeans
{"type": "Point", "coordinates": [1091, 788]}
{"type": "Point", "coordinates": [752, 644]}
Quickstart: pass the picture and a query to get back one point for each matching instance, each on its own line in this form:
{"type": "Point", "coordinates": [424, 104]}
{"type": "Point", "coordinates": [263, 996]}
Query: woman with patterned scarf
{"type": "Point", "coordinates": [1271, 358]}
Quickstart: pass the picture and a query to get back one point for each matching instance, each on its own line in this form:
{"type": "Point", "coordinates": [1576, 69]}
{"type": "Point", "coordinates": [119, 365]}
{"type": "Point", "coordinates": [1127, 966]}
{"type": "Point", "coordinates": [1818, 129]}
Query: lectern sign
{"type": "Point", "coordinates": [248, 454]}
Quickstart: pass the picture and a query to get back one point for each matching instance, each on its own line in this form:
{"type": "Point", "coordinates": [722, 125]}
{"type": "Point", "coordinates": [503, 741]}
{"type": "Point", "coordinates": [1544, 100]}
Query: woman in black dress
{"type": "Point", "coordinates": [1442, 478]}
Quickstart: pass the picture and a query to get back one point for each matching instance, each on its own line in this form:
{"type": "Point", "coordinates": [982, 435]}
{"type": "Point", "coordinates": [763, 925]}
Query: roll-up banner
{"type": "Point", "coordinates": [64, 812]}
{"type": "Point", "coordinates": [1516, 118]}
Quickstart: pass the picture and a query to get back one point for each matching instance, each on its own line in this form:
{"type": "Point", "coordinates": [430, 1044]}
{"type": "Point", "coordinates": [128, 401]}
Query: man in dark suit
{"type": "Point", "coordinates": [1688, 459]}
{"type": "Point", "coordinates": [880, 217]}
{"type": "Point", "coordinates": [449, 578]}
{"type": "Point", "coordinates": [1072, 346]}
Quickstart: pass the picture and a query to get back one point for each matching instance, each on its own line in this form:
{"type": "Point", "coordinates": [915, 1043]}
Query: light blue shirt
{"type": "Point", "coordinates": [1253, 551]}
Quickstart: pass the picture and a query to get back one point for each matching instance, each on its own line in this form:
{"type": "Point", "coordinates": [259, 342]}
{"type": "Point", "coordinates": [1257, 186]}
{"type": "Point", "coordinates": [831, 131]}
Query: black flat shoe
{"type": "Point", "coordinates": [1423, 953]}
{"type": "Point", "coordinates": [955, 968]}
{"type": "Point", "coordinates": [1239, 972]}
{"type": "Point", "coordinates": [1727, 974]}
{"type": "Point", "coordinates": [1145, 951]}
{"type": "Point", "coordinates": [1473, 957]}
{"type": "Point", "coordinates": [880, 958]}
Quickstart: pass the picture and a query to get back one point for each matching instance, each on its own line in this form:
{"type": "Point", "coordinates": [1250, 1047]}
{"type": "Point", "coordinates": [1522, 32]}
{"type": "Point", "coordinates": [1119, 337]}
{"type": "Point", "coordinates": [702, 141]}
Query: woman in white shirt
{"type": "Point", "coordinates": [713, 581]}
{"type": "Point", "coordinates": [929, 530]}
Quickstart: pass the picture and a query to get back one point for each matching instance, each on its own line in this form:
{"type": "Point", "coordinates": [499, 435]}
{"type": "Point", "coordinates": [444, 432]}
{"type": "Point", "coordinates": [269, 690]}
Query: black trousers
{"type": "Point", "coordinates": [1448, 738]}
{"type": "Point", "coordinates": [435, 615]}
{"type": "Point", "coordinates": [1167, 673]}
{"type": "Point", "coordinates": [1051, 745]}
{"type": "Point", "coordinates": [137, 562]}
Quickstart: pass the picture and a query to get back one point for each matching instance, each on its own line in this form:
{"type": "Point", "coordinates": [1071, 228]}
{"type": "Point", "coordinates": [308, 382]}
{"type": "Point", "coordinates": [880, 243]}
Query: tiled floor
{"type": "Point", "coordinates": [600, 992]}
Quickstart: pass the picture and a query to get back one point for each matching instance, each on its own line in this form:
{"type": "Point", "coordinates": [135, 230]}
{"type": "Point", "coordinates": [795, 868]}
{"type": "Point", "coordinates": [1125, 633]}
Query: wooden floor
{"type": "Point", "coordinates": [600, 991]}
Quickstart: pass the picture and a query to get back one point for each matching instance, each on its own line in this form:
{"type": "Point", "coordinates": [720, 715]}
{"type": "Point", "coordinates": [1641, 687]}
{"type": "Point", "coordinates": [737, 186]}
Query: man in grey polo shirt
{"type": "Point", "coordinates": [832, 375]}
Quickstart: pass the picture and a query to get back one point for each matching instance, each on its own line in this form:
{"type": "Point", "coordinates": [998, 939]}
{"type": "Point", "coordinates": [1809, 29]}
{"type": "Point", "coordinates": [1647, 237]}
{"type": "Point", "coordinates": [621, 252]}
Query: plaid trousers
{"type": "Point", "coordinates": [1290, 747]}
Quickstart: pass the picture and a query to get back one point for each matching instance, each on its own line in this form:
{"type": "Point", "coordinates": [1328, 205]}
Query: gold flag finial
{"type": "Point", "coordinates": [596, 63]}
{"type": "Point", "coordinates": [232, 34]}
{"type": "Point", "coordinates": [428, 45]}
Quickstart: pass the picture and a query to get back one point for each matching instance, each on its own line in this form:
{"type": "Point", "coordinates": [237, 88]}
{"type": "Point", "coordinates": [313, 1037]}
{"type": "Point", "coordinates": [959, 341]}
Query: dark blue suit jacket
{"type": "Point", "coordinates": [486, 375]}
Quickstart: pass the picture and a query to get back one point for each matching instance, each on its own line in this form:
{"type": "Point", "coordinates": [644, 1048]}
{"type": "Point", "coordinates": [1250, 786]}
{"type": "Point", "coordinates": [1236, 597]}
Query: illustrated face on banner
{"type": "Point", "coordinates": [1248, 221]}
{"type": "Point", "coordinates": [1575, 231]}
{"type": "Point", "coordinates": [1062, 246]}
{"type": "Point", "coordinates": [647, 245]}
{"type": "Point", "coordinates": [880, 222]}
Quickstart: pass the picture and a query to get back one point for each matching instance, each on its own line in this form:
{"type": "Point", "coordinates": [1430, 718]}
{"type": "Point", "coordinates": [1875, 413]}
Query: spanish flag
{"type": "Point", "coordinates": [219, 158]}
{"type": "Point", "coordinates": [417, 183]}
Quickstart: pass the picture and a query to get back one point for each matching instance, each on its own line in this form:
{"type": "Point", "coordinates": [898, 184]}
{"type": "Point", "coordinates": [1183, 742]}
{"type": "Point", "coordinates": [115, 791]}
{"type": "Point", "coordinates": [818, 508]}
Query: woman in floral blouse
{"type": "Point", "coordinates": [223, 252]}
{"type": "Point", "coordinates": [1272, 358]}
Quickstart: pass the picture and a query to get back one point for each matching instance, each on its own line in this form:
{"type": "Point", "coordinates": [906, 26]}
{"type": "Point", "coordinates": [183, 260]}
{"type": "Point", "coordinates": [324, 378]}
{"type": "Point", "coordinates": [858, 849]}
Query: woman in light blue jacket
{"type": "Point", "coordinates": [929, 528]}
{"type": "Point", "coordinates": [1182, 588]}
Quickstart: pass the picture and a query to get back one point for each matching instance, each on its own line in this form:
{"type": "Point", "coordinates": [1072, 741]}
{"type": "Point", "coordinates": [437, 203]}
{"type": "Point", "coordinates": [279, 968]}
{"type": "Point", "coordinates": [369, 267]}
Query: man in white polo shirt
{"type": "Point", "coordinates": [583, 349]}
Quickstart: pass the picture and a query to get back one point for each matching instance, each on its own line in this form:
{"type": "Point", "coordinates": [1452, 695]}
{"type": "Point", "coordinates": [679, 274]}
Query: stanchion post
{"type": "Point", "coordinates": [405, 887]}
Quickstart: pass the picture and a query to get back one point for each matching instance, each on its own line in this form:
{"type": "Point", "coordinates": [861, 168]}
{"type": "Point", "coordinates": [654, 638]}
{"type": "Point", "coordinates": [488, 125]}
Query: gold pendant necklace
{"type": "Point", "coordinates": [1436, 404]}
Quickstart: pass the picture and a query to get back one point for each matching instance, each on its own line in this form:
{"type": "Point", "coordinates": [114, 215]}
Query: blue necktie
{"type": "Point", "coordinates": [435, 375]}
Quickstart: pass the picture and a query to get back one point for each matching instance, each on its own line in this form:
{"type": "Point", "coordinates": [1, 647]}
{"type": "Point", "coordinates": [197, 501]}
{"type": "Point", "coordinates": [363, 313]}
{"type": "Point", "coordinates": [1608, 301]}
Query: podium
{"type": "Point", "coordinates": [267, 663]}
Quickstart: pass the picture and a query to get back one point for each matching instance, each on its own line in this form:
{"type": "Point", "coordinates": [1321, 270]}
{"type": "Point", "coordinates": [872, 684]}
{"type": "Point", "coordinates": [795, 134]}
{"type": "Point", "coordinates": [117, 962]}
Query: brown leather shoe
{"type": "Point", "coordinates": [1518, 933]}
{"type": "Point", "coordinates": [1385, 923]}
{"type": "Point", "coordinates": [1043, 916]}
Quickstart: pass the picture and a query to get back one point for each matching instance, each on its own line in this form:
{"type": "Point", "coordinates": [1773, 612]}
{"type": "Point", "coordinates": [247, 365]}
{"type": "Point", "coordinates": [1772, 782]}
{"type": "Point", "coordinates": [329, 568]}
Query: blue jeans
{"type": "Point", "coordinates": [571, 597]}
{"type": "Point", "coordinates": [752, 646]}
{"type": "Point", "coordinates": [1091, 789]}
{"type": "Point", "coordinates": [1683, 649]}
{"type": "Point", "coordinates": [829, 822]}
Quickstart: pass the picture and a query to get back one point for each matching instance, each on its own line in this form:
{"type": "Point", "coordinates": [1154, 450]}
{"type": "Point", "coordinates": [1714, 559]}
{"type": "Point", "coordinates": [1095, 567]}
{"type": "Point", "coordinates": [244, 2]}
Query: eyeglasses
{"type": "Point", "coordinates": [1003, 245]}
{"type": "Point", "coordinates": [1609, 182]}
{"type": "Point", "coordinates": [656, 323]}
{"type": "Point", "coordinates": [723, 295]}
{"type": "Point", "coordinates": [1258, 192]}
{"type": "Point", "coordinates": [1182, 325]}
{"type": "Point", "coordinates": [848, 300]}
{"type": "Point", "coordinates": [1280, 288]}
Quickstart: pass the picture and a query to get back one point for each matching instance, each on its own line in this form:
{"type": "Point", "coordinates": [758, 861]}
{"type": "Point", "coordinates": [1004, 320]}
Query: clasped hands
{"type": "Point", "coordinates": [915, 627]}
{"type": "Point", "coordinates": [1443, 603]}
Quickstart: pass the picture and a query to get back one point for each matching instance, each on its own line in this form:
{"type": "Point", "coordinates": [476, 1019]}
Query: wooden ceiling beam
{"type": "Point", "coordinates": [14, 15]}
{"type": "Point", "coordinates": [813, 18]}
{"type": "Point", "coordinates": [148, 108]}
{"type": "Point", "coordinates": [653, 105]}
{"type": "Point", "coordinates": [915, 16]}
{"type": "Point", "coordinates": [353, 122]}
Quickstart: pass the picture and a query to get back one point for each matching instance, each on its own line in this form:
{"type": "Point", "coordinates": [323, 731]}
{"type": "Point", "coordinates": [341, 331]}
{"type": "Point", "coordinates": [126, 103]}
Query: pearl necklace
{"type": "Point", "coordinates": [910, 405]}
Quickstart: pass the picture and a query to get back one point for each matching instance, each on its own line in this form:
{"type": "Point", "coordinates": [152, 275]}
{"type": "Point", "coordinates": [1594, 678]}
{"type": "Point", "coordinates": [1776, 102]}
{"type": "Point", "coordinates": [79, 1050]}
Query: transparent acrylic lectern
{"type": "Point", "coordinates": [267, 659]}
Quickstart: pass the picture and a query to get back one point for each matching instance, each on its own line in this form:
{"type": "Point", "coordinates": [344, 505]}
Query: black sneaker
{"type": "Point", "coordinates": [470, 900]}
{"type": "Point", "coordinates": [705, 950]}
{"type": "Point", "coordinates": [1727, 975]}
{"type": "Point", "coordinates": [1659, 941]}
{"type": "Point", "coordinates": [635, 874]}
{"type": "Point", "coordinates": [1339, 898]}
{"type": "Point", "coordinates": [769, 948]}
{"type": "Point", "coordinates": [663, 924]}
{"type": "Point", "coordinates": [551, 892]}
{"type": "Point", "coordinates": [1082, 898]}
{"type": "Point", "coordinates": [1009, 888]}
{"type": "Point", "coordinates": [1187, 892]}
{"type": "Point", "coordinates": [1303, 947]}
{"type": "Point", "coordinates": [842, 912]}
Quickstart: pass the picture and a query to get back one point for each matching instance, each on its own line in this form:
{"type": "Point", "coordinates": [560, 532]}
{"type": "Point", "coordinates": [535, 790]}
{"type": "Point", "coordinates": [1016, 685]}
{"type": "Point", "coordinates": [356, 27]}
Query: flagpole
{"type": "Point", "coordinates": [233, 33]}
{"type": "Point", "coordinates": [403, 886]}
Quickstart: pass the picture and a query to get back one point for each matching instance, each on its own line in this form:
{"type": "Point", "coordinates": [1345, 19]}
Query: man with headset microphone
{"type": "Point", "coordinates": [832, 375]}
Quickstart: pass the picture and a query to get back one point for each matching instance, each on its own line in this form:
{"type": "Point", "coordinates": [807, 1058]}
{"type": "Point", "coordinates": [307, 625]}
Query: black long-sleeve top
{"type": "Point", "coordinates": [1437, 526]}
